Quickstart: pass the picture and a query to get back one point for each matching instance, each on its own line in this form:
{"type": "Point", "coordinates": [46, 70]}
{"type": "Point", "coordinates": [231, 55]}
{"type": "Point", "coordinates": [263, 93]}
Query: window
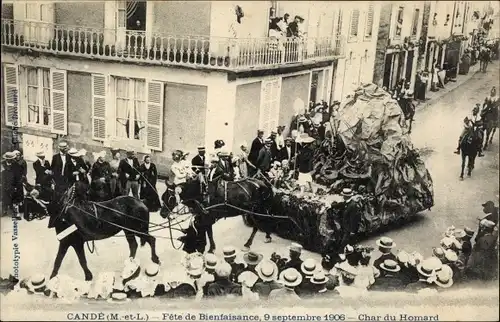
{"type": "Point", "coordinates": [38, 96]}
{"type": "Point", "coordinates": [399, 23]}
{"type": "Point", "coordinates": [353, 32]}
{"type": "Point", "coordinates": [414, 23]}
{"type": "Point", "coordinates": [369, 21]}
{"type": "Point", "coordinates": [269, 105]}
{"type": "Point", "coordinates": [130, 108]}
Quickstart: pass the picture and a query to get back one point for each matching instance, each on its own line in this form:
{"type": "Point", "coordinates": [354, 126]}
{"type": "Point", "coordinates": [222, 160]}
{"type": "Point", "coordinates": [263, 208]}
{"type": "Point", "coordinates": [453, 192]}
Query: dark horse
{"type": "Point", "coordinates": [490, 117]}
{"type": "Point", "coordinates": [229, 199]}
{"type": "Point", "coordinates": [469, 148]}
{"type": "Point", "coordinates": [96, 221]}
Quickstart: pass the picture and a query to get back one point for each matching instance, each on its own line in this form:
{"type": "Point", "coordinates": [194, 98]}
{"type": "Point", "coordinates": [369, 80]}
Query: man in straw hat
{"type": "Point", "coordinates": [305, 162]}
{"type": "Point", "coordinates": [443, 280]}
{"type": "Point", "coordinates": [129, 174]}
{"type": "Point", "coordinates": [59, 166]}
{"type": "Point", "coordinates": [100, 175]}
{"type": "Point", "coordinates": [385, 246]}
{"type": "Point", "coordinates": [229, 253]}
{"type": "Point", "coordinates": [268, 275]}
{"type": "Point", "coordinates": [12, 187]}
{"type": "Point", "coordinates": [290, 278]}
{"type": "Point", "coordinates": [308, 268]}
{"type": "Point", "coordinates": [390, 278]}
{"type": "Point", "coordinates": [252, 259]}
{"type": "Point", "coordinates": [426, 272]}
{"type": "Point", "coordinates": [199, 161]}
{"type": "Point", "coordinates": [465, 237]}
{"type": "Point", "coordinates": [347, 283]}
{"type": "Point", "coordinates": [274, 146]}
{"type": "Point", "coordinates": [77, 170]}
{"type": "Point", "coordinates": [43, 176]}
{"type": "Point", "coordinates": [320, 282]}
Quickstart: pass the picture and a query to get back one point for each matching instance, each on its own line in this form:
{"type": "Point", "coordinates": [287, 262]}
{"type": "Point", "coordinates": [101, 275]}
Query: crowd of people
{"type": "Point", "coordinates": [462, 254]}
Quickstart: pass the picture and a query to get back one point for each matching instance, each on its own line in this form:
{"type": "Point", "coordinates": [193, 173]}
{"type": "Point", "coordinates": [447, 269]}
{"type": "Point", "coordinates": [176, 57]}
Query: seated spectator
{"type": "Point", "coordinates": [252, 259]}
{"type": "Point", "coordinates": [320, 281]}
{"type": "Point", "coordinates": [443, 280]}
{"type": "Point", "coordinates": [268, 275]}
{"type": "Point", "coordinates": [294, 261]}
{"type": "Point", "coordinates": [389, 279]}
{"type": "Point", "coordinates": [222, 286]}
{"type": "Point", "coordinates": [308, 268]}
{"type": "Point", "coordinates": [290, 278]}
{"type": "Point", "coordinates": [229, 253]}
{"type": "Point", "coordinates": [385, 246]}
{"type": "Point", "coordinates": [409, 272]}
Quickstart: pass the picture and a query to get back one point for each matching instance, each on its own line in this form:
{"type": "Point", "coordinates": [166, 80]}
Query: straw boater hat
{"type": "Point", "coordinates": [304, 138]}
{"type": "Point", "coordinates": [469, 232]}
{"type": "Point", "coordinates": [403, 257]}
{"type": "Point", "coordinates": [450, 256]}
{"type": "Point", "coordinates": [252, 258]}
{"type": "Point", "coordinates": [390, 266]}
{"type": "Point", "coordinates": [223, 153]}
{"type": "Point", "coordinates": [229, 252]}
{"type": "Point", "coordinates": [223, 270]}
{"type": "Point", "coordinates": [438, 263]}
{"type": "Point", "coordinates": [426, 268]}
{"type": "Point", "coordinates": [386, 242]}
{"type": "Point", "coordinates": [201, 148]}
{"type": "Point", "coordinates": [40, 154]}
{"type": "Point", "coordinates": [152, 270]}
{"type": "Point", "coordinates": [63, 144]}
{"type": "Point", "coordinates": [37, 283]}
{"type": "Point", "coordinates": [319, 278]}
{"type": "Point", "coordinates": [294, 247]}
{"type": "Point", "coordinates": [344, 267]}
{"type": "Point", "coordinates": [211, 261]}
{"type": "Point", "coordinates": [347, 192]}
{"type": "Point", "coordinates": [268, 141]}
{"type": "Point", "coordinates": [443, 279]}
{"type": "Point", "coordinates": [267, 270]}
{"type": "Point", "coordinates": [309, 267]}
{"type": "Point", "coordinates": [447, 242]}
{"type": "Point", "coordinates": [9, 155]}
{"type": "Point", "coordinates": [118, 297]}
{"type": "Point", "coordinates": [290, 277]}
{"type": "Point", "coordinates": [16, 152]}
{"type": "Point", "coordinates": [438, 252]}
{"type": "Point", "coordinates": [73, 152]}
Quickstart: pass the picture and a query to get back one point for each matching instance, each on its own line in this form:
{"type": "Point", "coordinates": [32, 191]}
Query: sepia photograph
{"type": "Point", "coordinates": [249, 160]}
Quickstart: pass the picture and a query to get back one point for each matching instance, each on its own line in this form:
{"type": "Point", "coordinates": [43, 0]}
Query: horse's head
{"type": "Point", "coordinates": [58, 206]}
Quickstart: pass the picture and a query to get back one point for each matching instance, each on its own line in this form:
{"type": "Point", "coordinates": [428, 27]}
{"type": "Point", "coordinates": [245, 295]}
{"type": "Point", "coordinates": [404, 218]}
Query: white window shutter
{"type": "Point", "coordinates": [275, 104]}
{"type": "Point", "coordinates": [154, 126]}
{"type": "Point", "coordinates": [98, 107]}
{"type": "Point", "coordinates": [11, 94]}
{"type": "Point", "coordinates": [354, 22]}
{"type": "Point", "coordinates": [59, 101]}
{"type": "Point", "coordinates": [369, 20]}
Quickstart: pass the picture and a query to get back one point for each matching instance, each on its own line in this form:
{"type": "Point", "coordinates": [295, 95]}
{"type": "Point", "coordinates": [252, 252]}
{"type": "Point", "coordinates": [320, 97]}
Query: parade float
{"type": "Point", "coordinates": [366, 150]}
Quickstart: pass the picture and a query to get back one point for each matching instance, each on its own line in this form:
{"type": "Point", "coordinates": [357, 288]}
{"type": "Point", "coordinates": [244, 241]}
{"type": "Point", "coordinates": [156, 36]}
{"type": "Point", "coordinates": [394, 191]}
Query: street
{"type": "Point", "coordinates": [435, 133]}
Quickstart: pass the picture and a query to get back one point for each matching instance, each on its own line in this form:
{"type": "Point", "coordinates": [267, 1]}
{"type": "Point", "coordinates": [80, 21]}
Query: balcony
{"type": "Point", "coordinates": [232, 54]}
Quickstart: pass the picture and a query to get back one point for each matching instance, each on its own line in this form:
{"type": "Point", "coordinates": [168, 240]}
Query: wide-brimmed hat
{"type": "Point", "coordinates": [450, 256]}
{"type": "Point", "coordinates": [229, 252]}
{"type": "Point", "coordinates": [36, 282]}
{"type": "Point", "coordinates": [438, 252]}
{"type": "Point", "coordinates": [16, 152]}
{"type": "Point", "coordinates": [346, 268]}
{"type": "Point", "coordinates": [488, 203]}
{"type": "Point", "coordinates": [444, 279]}
{"type": "Point", "coordinates": [390, 266]}
{"type": "Point", "coordinates": [9, 156]}
{"type": "Point", "coordinates": [290, 277]}
{"type": "Point", "coordinates": [403, 257]}
{"type": "Point", "coordinates": [304, 138]}
{"type": "Point", "coordinates": [386, 242]}
{"type": "Point", "coordinates": [302, 119]}
{"type": "Point", "coordinates": [152, 270]}
{"type": "Point", "coordinates": [294, 247]}
{"type": "Point", "coordinates": [252, 258]}
{"type": "Point", "coordinates": [224, 153]}
{"type": "Point", "coordinates": [309, 267]}
{"type": "Point", "coordinates": [319, 278]}
{"type": "Point", "coordinates": [40, 154]}
{"type": "Point", "coordinates": [487, 223]}
{"type": "Point", "coordinates": [268, 141]}
{"type": "Point", "coordinates": [426, 268]}
{"type": "Point", "coordinates": [211, 261]}
{"type": "Point", "coordinates": [201, 148]}
{"type": "Point", "coordinates": [447, 242]}
{"type": "Point", "coordinates": [469, 232]}
{"type": "Point", "coordinates": [267, 270]}
{"type": "Point", "coordinates": [347, 192]}
{"type": "Point", "coordinates": [73, 152]}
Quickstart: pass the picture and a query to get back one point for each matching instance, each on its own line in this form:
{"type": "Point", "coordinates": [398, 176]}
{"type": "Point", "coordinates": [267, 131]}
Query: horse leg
{"type": "Point", "coordinates": [132, 243]}
{"type": "Point", "coordinates": [463, 166]}
{"type": "Point", "coordinates": [210, 235]}
{"type": "Point", "coordinates": [411, 122]}
{"type": "Point", "coordinates": [470, 165]}
{"type": "Point", "coordinates": [152, 243]}
{"type": "Point", "coordinates": [492, 135]}
{"type": "Point", "coordinates": [80, 253]}
{"type": "Point", "coordinates": [61, 252]}
{"type": "Point", "coordinates": [250, 239]}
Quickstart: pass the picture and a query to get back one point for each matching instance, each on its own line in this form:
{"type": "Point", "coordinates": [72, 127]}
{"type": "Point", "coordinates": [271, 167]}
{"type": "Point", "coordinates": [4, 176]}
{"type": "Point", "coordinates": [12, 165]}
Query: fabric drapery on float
{"type": "Point", "coordinates": [374, 158]}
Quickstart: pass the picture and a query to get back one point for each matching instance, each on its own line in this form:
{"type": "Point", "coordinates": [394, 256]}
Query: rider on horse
{"type": "Point", "coordinates": [468, 127]}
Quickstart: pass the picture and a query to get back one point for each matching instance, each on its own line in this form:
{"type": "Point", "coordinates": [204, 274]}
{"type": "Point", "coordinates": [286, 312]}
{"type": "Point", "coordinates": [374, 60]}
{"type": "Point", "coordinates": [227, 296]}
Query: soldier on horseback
{"type": "Point", "coordinates": [468, 128]}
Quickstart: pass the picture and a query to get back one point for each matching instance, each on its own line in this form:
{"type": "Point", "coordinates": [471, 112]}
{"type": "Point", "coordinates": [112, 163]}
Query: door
{"type": "Point", "coordinates": [121, 24]}
{"type": "Point", "coordinates": [387, 71]}
{"type": "Point", "coordinates": [312, 30]}
{"type": "Point", "coordinates": [39, 22]}
{"type": "Point", "coordinates": [409, 66]}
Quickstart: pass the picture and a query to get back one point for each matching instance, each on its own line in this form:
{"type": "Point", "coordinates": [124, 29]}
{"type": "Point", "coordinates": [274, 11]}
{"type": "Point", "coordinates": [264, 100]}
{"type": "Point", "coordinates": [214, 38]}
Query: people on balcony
{"type": "Point", "coordinates": [294, 27]}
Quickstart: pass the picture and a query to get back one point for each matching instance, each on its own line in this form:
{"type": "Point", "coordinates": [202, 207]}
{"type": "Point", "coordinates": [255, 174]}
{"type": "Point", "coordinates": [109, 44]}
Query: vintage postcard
{"type": "Point", "coordinates": [249, 160]}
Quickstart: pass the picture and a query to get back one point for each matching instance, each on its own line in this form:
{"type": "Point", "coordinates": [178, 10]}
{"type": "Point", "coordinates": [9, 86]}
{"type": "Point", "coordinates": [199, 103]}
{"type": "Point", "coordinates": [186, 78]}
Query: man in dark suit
{"type": "Point", "coordinates": [257, 145]}
{"type": "Point", "coordinates": [129, 174]}
{"type": "Point", "coordinates": [288, 151]}
{"type": "Point", "coordinates": [275, 151]}
{"type": "Point", "coordinates": [59, 165]}
{"type": "Point", "coordinates": [76, 170]}
{"type": "Point", "coordinates": [43, 175]}
{"type": "Point", "coordinates": [198, 161]}
{"type": "Point", "coordinates": [264, 158]}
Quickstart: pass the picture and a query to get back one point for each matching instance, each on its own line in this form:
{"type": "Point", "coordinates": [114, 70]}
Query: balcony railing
{"type": "Point", "coordinates": [156, 48]}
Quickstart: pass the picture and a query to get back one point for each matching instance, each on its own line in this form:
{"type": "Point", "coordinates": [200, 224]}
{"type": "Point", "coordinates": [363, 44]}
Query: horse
{"type": "Point", "coordinates": [248, 196]}
{"type": "Point", "coordinates": [97, 221]}
{"type": "Point", "coordinates": [490, 123]}
{"type": "Point", "coordinates": [469, 148]}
